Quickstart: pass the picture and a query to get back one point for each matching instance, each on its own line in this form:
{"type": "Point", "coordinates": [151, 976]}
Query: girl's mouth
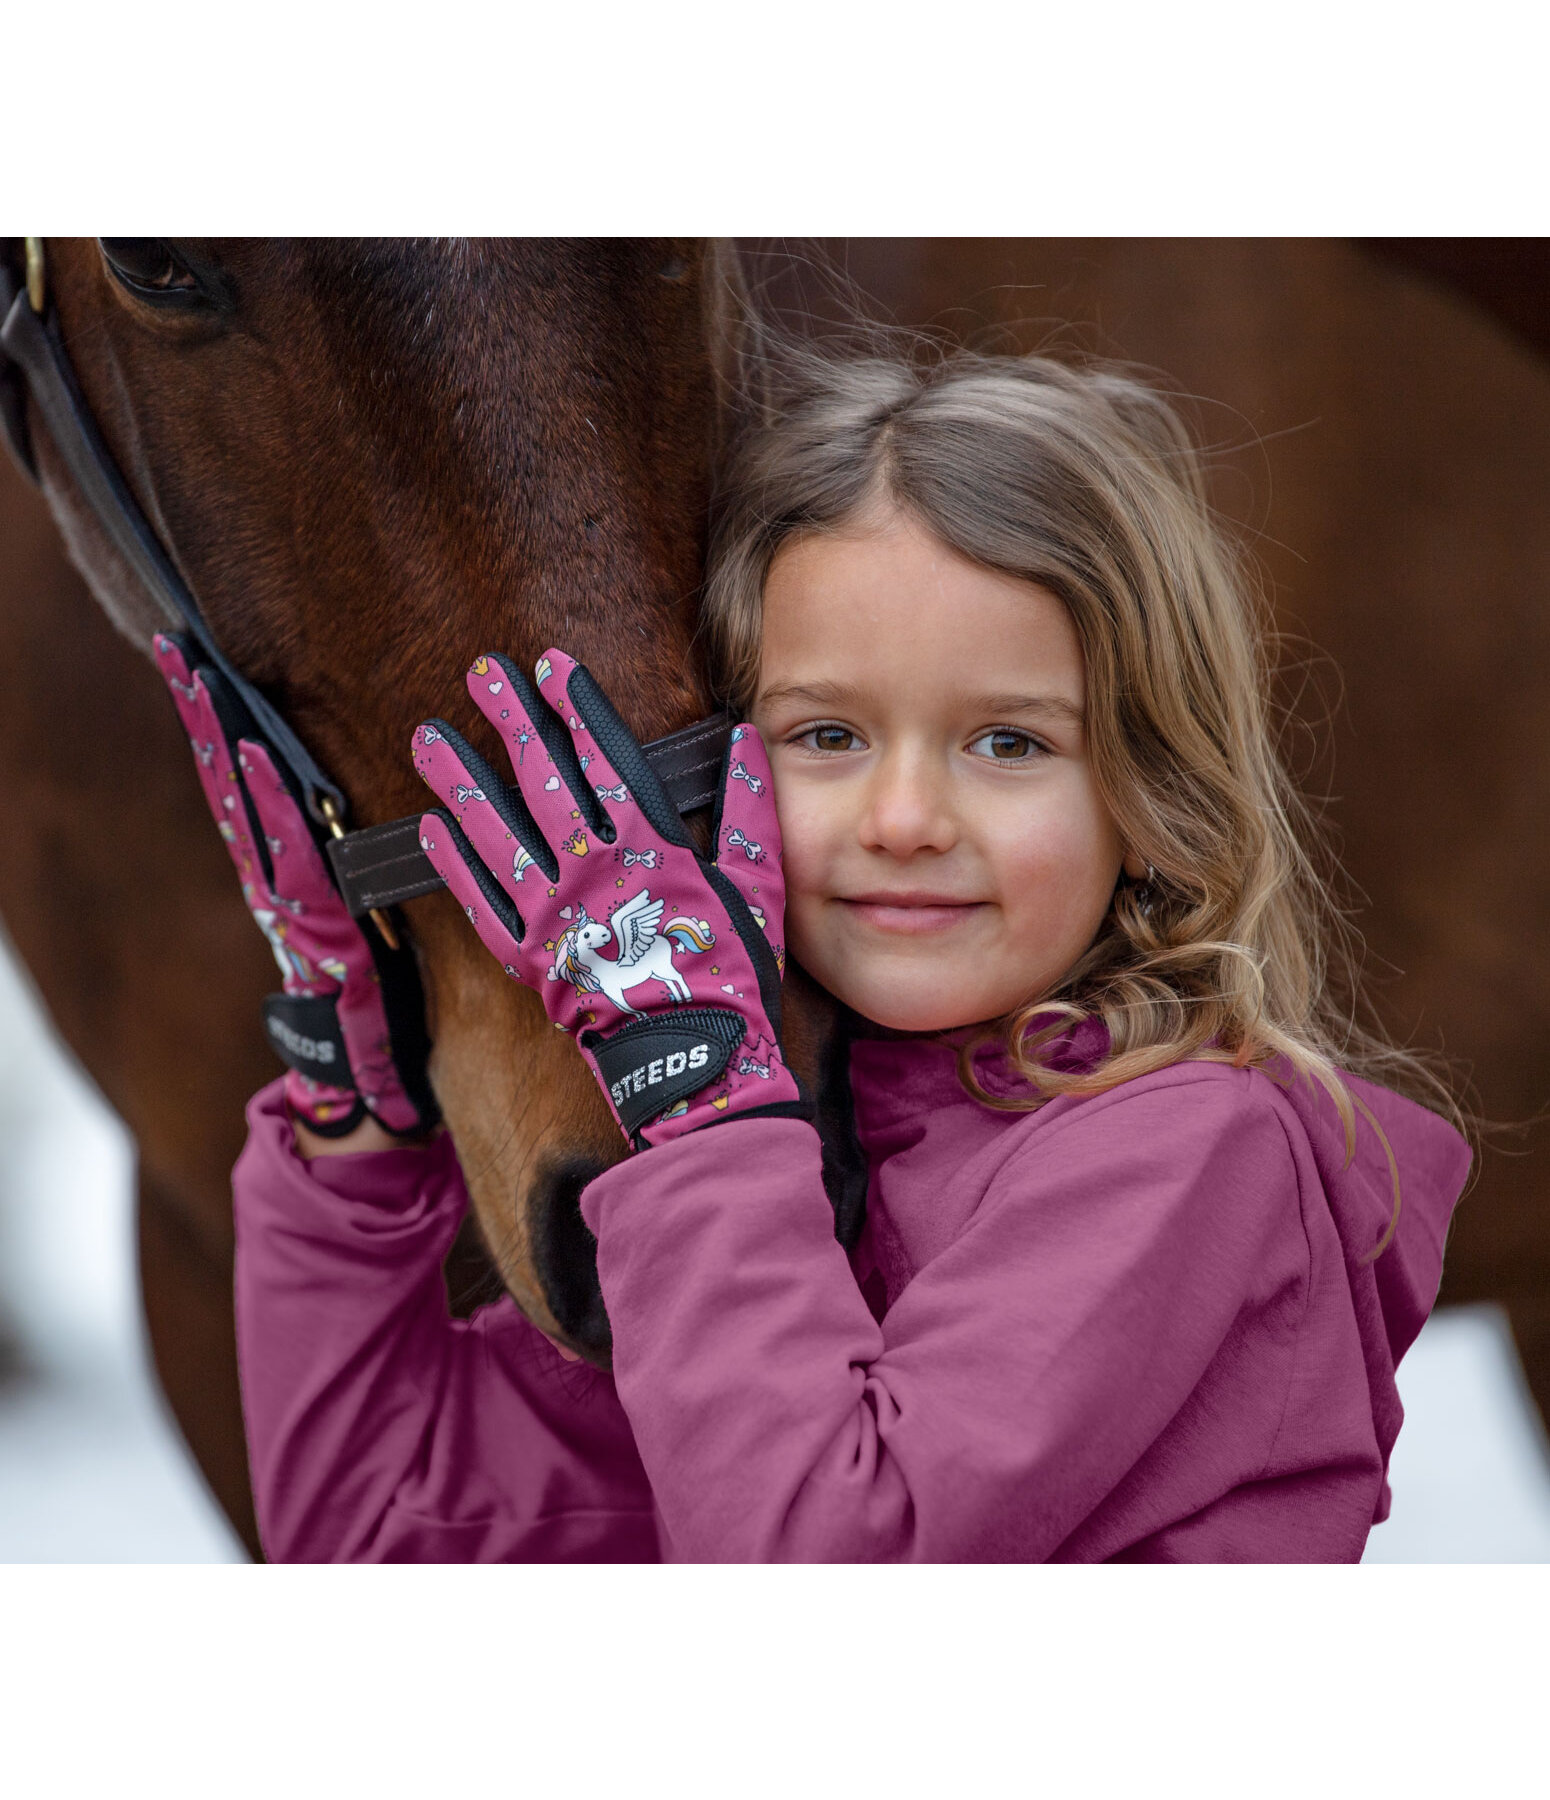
{"type": "Point", "coordinates": [910, 915]}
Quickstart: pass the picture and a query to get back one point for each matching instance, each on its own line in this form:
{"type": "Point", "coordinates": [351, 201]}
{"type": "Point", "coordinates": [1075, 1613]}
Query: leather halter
{"type": "Point", "coordinates": [376, 867]}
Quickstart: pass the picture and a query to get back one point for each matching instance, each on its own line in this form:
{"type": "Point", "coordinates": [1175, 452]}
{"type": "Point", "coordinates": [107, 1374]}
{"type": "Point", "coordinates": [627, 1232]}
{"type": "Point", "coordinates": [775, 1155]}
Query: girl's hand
{"type": "Point", "coordinates": [584, 883]}
{"type": "Point", "coordinates": [346, 1061]}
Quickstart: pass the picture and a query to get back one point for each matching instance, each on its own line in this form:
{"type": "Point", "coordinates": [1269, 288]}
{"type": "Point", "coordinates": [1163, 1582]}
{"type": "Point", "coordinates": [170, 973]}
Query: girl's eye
{"type": "Point", "coordinates": [828, 738]}
{"type": "Point", "coordinates": [1007, 746]}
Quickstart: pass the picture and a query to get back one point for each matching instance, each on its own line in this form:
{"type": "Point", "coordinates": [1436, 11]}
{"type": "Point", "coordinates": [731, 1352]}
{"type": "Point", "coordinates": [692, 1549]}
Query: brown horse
{"type": "Point", "coordinates": [368, 463]}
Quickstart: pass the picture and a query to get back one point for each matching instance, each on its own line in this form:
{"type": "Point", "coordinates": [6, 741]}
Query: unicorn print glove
{"type": "Point", "coordinates": [331, 1024]}
{"type": "Point", "coordinates": [585, 884]}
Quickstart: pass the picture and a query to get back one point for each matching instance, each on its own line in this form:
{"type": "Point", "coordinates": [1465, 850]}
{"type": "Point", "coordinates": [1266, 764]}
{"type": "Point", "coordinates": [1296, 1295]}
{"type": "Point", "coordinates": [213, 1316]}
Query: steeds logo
{"type": "Point", "coordinates": [309, 1049]}
{"type": "Point", "coordinates": [662, 1068]}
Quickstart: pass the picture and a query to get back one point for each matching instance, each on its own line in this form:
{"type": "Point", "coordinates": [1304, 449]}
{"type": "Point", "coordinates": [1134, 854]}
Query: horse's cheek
{"type": "Point", "coordinates": [513, 1090]}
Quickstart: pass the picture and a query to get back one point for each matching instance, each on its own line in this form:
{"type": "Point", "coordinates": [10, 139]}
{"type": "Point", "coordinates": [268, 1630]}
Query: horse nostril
{"type": "Point", "coordinates": [565, 1255]}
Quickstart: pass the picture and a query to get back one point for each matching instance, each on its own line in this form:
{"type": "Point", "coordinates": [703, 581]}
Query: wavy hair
{"type": "Point", "coordinates": [1086, 480]}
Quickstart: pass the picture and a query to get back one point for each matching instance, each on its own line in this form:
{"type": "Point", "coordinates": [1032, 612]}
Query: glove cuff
{"type": "Point", "coordinates": [673, 1129]}
{"type": "Point", "coordinates": [326, 1111]}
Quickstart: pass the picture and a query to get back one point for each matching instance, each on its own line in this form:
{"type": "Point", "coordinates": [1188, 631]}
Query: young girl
{"type": "Point", "coordinates": [1138, 1260]}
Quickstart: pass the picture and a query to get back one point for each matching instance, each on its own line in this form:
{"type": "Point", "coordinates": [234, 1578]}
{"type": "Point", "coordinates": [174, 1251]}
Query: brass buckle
{"type": "Point", "coordinates": [376, 915]}
{"type": "Point", "coordinates": [36, 287]}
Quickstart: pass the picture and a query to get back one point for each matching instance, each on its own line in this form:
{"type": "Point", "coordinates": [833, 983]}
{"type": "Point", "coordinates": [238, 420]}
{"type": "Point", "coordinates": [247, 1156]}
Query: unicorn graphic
{"type": "Point", "coordinates": [645, 951]}
{"type": "Point", "coordinates": [291, 961]}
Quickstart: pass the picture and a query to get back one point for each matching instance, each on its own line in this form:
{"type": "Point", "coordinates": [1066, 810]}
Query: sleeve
{"type": "Point", "coordinates": [379, 1428]}
{"type": "Point", "coordinates": [1012, 1385]}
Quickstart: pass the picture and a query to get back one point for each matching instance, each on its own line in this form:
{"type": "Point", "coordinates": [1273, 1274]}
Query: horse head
{"type": "Point", "coordinates": [371, 461]}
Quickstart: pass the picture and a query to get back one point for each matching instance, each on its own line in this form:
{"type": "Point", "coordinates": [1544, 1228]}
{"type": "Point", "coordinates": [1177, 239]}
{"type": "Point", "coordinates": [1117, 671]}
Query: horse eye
{"type": "Point", "coordinates": [152, 270]}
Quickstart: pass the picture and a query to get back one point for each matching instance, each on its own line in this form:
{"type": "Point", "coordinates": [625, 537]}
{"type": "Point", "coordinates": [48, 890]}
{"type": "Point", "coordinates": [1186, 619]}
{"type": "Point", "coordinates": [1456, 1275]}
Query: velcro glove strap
{"type": "Point", "coordinates": [304, 1033]}
{"type": "Point", "coordinates": [651, 1065]}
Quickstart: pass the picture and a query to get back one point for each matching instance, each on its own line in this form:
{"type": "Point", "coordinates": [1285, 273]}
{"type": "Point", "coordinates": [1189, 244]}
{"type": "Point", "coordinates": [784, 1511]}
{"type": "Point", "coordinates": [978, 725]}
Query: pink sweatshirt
{"type": "Point", "coordinates": [1137, 1327]}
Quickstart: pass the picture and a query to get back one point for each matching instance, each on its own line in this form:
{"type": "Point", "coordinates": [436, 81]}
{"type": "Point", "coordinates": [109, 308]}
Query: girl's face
{"type": "Point", "coordinates": [947, 854]}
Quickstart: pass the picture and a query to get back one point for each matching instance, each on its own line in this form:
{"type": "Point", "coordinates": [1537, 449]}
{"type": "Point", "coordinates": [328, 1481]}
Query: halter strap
{"type": "Point", "coordinates": [383, 864]}
{"type": "Point", "coordinates": [32, 342]}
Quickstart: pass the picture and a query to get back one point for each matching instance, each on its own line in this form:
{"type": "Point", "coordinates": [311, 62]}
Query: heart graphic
{"type": "Point", "coordinates": [551, 784]}
{"type": "Point", "coordinates": [727, 988]}
{"type": "Point", "coordinates": [567, 912]}
{"type": "Point", "coordinates": [496, 686]}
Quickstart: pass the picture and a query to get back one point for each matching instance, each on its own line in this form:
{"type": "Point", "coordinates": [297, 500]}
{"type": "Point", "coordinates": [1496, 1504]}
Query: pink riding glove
{"type": "Point", "coordinates": [585, 884]}
{"type": "Point", "coordinates": [331, 1025]}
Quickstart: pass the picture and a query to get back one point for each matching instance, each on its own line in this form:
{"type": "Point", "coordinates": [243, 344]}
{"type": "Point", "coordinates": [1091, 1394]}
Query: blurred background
{"type": "Point", "coordinates": [92, 1466]}
{"type": "Point", "coordinates": [1378, 415]}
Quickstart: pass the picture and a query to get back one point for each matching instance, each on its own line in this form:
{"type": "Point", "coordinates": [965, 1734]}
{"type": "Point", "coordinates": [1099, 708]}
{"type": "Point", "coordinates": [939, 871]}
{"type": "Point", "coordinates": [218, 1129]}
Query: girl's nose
{"type": "Point", "coordinates": [907, 808]}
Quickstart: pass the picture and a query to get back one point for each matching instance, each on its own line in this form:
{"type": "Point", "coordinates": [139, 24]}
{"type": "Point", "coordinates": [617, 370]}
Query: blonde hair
{"type": "Point", "coordinates": [1086, 480]}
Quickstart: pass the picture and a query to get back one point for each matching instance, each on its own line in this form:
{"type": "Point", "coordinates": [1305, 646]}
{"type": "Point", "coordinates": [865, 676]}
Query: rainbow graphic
{"type": "Point", "coordinates": [689, 934]}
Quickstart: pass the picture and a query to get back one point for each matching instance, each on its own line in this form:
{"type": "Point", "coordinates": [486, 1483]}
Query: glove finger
{"type": "Point", "coordinates": [748, 834]}
{"type": "Point", "coordinates": [224, 791]}
{"type": "Point", "coordinates": [460, 866]}
{"type": "Point", "coordinates": [299, 873]}
{"type": "Point", "coordinates": [623, 784]}
{"type": "Point", "coordinates": [494, 818]}
{"type": "Point", "coordinates": [543, 757]}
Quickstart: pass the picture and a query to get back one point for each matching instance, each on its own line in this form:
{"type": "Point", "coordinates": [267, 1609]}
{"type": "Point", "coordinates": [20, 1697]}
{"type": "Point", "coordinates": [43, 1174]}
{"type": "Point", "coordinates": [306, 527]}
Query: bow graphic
{"type": "Point", "coordinates": [739, 772]}
{"type": "Point", "coordinates": [736, 841]}
{"type": "Point", "coordinates": [747, 1066]}
{"type": "Point", "coordinates": [646, 858]}
{"type": "Point", "coordinates": [465, 794]}
{"type": "Point", "coordinates": [612, 793]}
